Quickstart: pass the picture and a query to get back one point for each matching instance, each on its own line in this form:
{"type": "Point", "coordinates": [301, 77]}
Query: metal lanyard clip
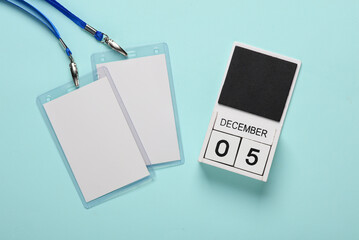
{"type": "Point", "coordinates": [102, 37]}
{"type": "Point", "coordinates": [73, 67]}
{"type": "Point", "coordinates": [112, 44]}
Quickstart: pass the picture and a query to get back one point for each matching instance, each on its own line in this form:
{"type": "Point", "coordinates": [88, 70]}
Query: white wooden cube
{"type": "Point", "coordinates": [222, 147]}
{"type": "Point", "coordinates": [250, 111]}
{"type": "Point", "coordinates": [252, 156]}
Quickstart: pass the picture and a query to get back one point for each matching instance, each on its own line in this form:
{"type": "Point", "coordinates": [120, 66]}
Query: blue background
{"type": "Point", "coordinates": [312, 190]}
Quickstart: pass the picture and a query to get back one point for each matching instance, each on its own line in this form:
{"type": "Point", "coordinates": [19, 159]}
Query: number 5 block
{"type": "Point", "coordinates": [252, 156]}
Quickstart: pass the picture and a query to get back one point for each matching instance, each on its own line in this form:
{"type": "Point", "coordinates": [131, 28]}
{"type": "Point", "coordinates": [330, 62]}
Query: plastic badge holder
{"type": "Point", "coordinates": [141, 52]}
{"type": "Point", "coordinates": [67, 88]}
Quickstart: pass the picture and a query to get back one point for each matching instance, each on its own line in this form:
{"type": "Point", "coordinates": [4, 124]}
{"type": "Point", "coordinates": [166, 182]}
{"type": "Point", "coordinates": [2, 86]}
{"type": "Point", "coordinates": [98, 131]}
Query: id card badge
{"type": "Point", "coordinates": [250, 110]}
{"type": "Point", "coordinates": [95, 138]}
{"type": "Point", "coordinates": [145, 83]}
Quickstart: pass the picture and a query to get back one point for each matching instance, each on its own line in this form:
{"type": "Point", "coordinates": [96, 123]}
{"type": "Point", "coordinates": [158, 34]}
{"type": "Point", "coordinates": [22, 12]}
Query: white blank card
{"type": "Point", "coordinates": [96, 139]}
{"type": "Point", "coordinates": [144, 87]}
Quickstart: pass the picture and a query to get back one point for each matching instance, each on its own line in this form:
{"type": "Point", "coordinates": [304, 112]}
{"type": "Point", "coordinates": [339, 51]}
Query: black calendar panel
{"type": "Point", "coordinates": [257, 83]}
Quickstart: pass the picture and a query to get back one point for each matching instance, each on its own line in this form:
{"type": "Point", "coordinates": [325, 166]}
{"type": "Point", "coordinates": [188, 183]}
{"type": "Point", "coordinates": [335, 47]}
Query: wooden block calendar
{"type": "Point", "coordinates": [250, 110]}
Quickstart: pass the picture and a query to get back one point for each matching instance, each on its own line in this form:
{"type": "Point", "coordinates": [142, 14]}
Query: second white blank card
{"type": "Point", "coordinates": [143, 84]}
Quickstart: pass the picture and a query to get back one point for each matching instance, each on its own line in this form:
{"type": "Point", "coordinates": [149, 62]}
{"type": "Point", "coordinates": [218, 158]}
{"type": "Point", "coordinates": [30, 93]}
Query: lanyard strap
{"type": "Point", "coordinates": [34, 12]}
{"type": "Point", "coordinates": [99, 36]}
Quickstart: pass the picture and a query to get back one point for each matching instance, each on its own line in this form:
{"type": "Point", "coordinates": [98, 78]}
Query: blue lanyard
{"type": "Point", "coordinates": [99, 36]}
{"type": "Point", "coordinates": [28, 8]}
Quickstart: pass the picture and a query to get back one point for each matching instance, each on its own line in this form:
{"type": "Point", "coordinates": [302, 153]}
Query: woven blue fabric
{"type": "Point", "coordinates": [34, 12]}
{"type": "Point", "coordinates": [68, 52]}
{"type": "Point", "coordinates": [67, 13]}
{"type": "Point", "coordinates": [99, 36]}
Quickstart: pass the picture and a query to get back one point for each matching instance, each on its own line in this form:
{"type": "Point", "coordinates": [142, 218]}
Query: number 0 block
{"type": "Point", "coordinates": [252, 156]}
{"type": "Point", "coordinates": [222, 147]}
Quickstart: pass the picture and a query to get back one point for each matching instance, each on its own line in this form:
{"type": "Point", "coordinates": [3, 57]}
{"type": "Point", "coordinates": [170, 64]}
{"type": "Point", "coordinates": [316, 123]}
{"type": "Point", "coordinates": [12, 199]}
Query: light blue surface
{"type": "Point", "coordinates": [312, 190]}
